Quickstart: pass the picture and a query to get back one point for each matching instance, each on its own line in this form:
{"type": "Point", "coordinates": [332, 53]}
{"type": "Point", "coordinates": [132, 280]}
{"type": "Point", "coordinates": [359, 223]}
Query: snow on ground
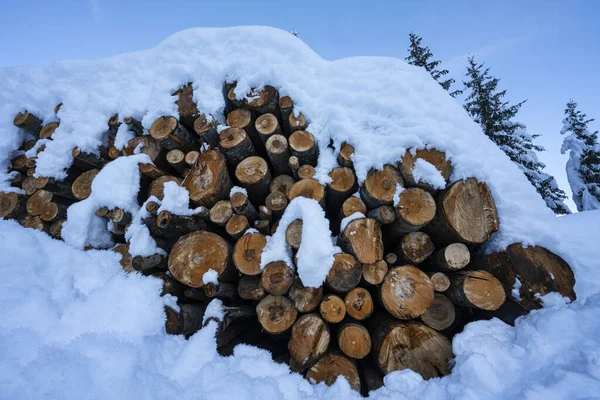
{"type": "Point", "coordinates": [74, 325]}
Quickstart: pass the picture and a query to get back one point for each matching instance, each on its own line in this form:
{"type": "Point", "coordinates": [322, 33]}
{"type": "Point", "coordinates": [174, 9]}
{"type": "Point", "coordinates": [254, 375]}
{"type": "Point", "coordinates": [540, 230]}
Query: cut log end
{"type": "Point", "coordinates": [440, 314]}
{"type": "Point", "coordinates": [330, 367]}
{"type": "Point", "coordinates": [276, 314]}
{"type": "Point", "coordinates": [362, 238]}
{"type": "Point", "coordinates": [332, 308]}
{"type": "Point", "coordinates": [277, 278]}
{"type": "Point", "coordinates": [354, 340]}
{"type": "Point", "coordinates": [375, 273]}
{"type": "Point", "coordinates": [309, 340]}
{"type": "Point", "coordinates": [380, 186]}
{"type": "Point", "coordinates": [406, 292]}
{"type": "Point", "coordinates": [247, 253]}
{"type": "Point", "coordinates": [359, 304]}
{"type": "Point", "coordinates": [476, 289]}
{"type": "Point", "coordinates": [345, 273]}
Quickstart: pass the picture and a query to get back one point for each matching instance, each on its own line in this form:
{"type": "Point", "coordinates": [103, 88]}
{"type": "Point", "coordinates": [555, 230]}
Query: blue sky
{"type": "Point", "coordinates": [543, 51]}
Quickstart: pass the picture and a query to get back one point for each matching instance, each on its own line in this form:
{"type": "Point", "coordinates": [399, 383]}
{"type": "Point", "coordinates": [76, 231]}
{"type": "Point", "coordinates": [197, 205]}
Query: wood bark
{"type": "Point", "coordinates": [277, 203]}
{"type": "Point", "coordinates": [172, 135]}
{"type": "Point", "coordinates": [151, 171]}
{"type": "Point", "coordinates": [283, 184]}
{"type": "Point", "coordinates": [61, 189]}
{"type": "Point", "coordinates": [250, 288]}
{"type": "Point", "coordinates": [242, 206]}
{"type": "Point", "coordinates": [305, 298]}
{"type": "Point", "coordinates": [375, 273]}
{"type": "Point", "coordinates": [260, 102]}
{"type": "Point", "coordinates": [28, 122]}
{"type": "Point", "coordinates": [208, 180]}
{"type": "Point", "coordinates": [134, 126]}
{"type": "Point", "coordinates": [150, 264]}
{"type": "Point", "coordinates": [19, 163]}
{"type": "Point", "coordinates": [406, 292]}
{"type": "Point", "coordinates": [345, 273]}
{"type": "Point", "coordinates": [188, 112]}
{"type": "Point", "coordinates": [303, 145]}
{"type": "Point", "coordinates": [362, 239]}
{"type": "Point", "coordinates": [296, 123]}
{"type": "Point", "coordinates": [286, 106]}
{"type": "Point", "coordinates": [247, 253]}
{"type": "Point", "coordinates": [440, 314]}
{"type": "Point", "coordinates": [176, 158]}
{"type": "Point", "coordinates": [279, 153]}
{"type": "Point", "coordinates": [242, 118]}
{"type": "Point", "coordinates": [344, 157]}
{"type": "Point", "coordinates": [354, 340]}
{"type": "Point", "coordinates": [222, 290]}
{"type": "Point", "coordinates": [12, 205]}
{"type": "Point", "coordinates": [476, 289]}
{"type": "Point", "coordinates": [309, 188]}
{"type": "Point", "coordinates": [178, 225]}
{"type": "Point", "coordinates": [86, 161]}
{"type": "Point", "coordinates": [343, 184]}
{"type": "Point", "coordinates": [384, 215]}
{"type": "Point", "coordinates": [277, 278]}
{"type": "Point", "coordinates": [379, 187]}
{"type": "Point", "coordinates": [432, 156]}
{"type": "Point", "coordinates": [254, 175]}
{"type": "Point", "coordinates": [330, 367]}
{"type": "Point", "coordinates": [453, 257]}
{"type": "Point", "coordinates": [56, 229]}
{"type": "Point", "coordinates": [309, 341]}
{"type": "Point", "coordinates": [276, 314]}
{"type": "Point", "coordinates": [414, 248]}
{"type": "Point", "coordinates": [359, 303]}
{"type": "Point", "coordinates": [263, 226]}
{"type": "Point", "coordinates": [332, 308]}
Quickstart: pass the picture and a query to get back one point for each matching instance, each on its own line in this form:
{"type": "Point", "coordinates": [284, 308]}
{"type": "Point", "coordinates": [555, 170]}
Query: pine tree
{"type": "Point", "coordinates": [583, 167]}
{"type": "Point", "coordinates": [486, 105]}
{"type": "Point", "coordinates": [295, 33]}
{"type": "Point", "coordinates": [420, 56]}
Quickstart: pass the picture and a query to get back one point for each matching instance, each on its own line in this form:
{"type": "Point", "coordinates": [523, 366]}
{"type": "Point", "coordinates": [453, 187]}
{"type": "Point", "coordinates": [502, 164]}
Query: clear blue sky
{"type": "Point", "coordinates": [544, 51]}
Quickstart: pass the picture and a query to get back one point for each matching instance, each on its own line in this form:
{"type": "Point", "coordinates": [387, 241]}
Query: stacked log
{"type": "Point", "coordinates": [410, 275]}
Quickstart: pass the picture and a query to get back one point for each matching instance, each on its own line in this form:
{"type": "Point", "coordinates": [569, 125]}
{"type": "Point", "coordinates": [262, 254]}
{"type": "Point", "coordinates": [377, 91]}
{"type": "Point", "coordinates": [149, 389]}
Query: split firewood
{"type": "Point", "coordinates": [236, 226]}
{"type": "Point", "coordinates": [56, 229]}
{"type": "Point", "coordinates": [12, 205]}
{"type": "Point", "coordinates": [176, 158]}
{"type": "Point", "coordinates": [276, 314]}
{"type": "Point", "coordinates": [48, 129]}
{"type": "Point", "coordinates": [86, 161]}
{"type": "Point", "coordinates": [309, 341]}
{"type": "Point", "coordinates": [28, 145]}
{"type": "Point", "coordinates": [188, 112]}
{"type": "Point", "coordinates": [343, 184]}
{"type": "Point", "coordinates": [242, 206]}
{"type": "Point", "coordinates": [283, 184]}
{"type": "Point", "coordinates": [197, 252]}
{"type": "Point", "coordinates": [286, 105]}
{"type": "Point", "coordinates": [332, 308]}
{"type": "Point", "coordinates": [152, 148]}
{"type": "Point", "coordinates": [279, 153]}
{"type": "Point", "coordinates": [309, 188]}
{"type": "Point", "coordinates": [277, 203]}
{"type": "Point", "coordinates": [294, 166]}
{"type": "Point", "coordinates": [247, 253]}
{"type": "Point", "coordinates": [156, 188]}
{"type": "Point", "coordinates": [415, 209]}
{"type": "Point", "coordinates": [254, 175]}
{"type": "Point", "coordinates": [293, 234]}
{"type": "Point", "coordinates": [440, 314]}
{"type": "Point", "coordinates": [359, 303]}
{"type": "Point", "coordinates": [267, 125]}
{"type": "Point", "coordinates": [82, 186]}
{"type": "Point", "coordinates": [263, 226]}
{"type": "Point", "coordinates": [53, 211]}
{"type": "Point", "coordinates": [19, 163]}
{"type": "Point", "coordinates": [206, 129]}
{"type": "Point", "coordinates": [375, 273]}
{"type": "Point", "coordinates": [36, 202]}
{"type": "Point", "coordinates": [28, 122]}
{"type": "Point", "coordinates": [172, 135]}
{"type": "Point", "coordinates": [221, 212]}
{"type": "Point", "coordinates": [345, 273]}
{"type": "Point", "coordinates": [531, 272]}
{"type": "Point", "coordinates": [262, 102]}
{"type": "Point", "coordinates": [277, 278]}
{"type": "Point", "coordinates": [476, 289]}
{"type": "Point", "coordinates": [354, 340]}
{"type": "Point", "coordinates": [362, 238]}
{"type": "Point", "coordinates": [414, 248]}
{"type": "Point", "coordinates": [208, 180]}
{"type": "Point", "coordinates": [453, 257]}
{"type": "Point", "coordinates": [384, 215]}
{"type": "Point", "coordinates": [250, 288]}
{"type": "Point", "coordinates": [134, 126]}
{"type": "Point", "coordinates": [344, 157]}
{"type": "Point", "coordinates": [296, 123]}
{"type": "Point", "coordinates": [329, 367]}
{"type": "Point", "coordinates": [379, 187]}
{"type": "Point", "coordinates": [191, 157]}
{"type": "Point", "coordinates": [305, 298]}
{"type": "Point", "coordinates": [440, 281]}
{"type": "Point", "coordinates": [306, 172]}
{"type": "Point", "coordinates": [432, 156]}
{"type": "Point", "coordinates": [179, 224]}
{"type": "Point", "coordinates": [304, 146]}
{"type": "Point", "coordinates": [406, 292]}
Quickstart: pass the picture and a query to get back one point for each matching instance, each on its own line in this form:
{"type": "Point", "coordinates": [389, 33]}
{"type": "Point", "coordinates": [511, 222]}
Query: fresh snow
{"type": "Point", "coordinates": [74, 325]}
{"type": "Point", "coordinates": [397, 193]}
{"type": "Point", "coordinates": [210, 276]}
{"type": "Point", "coordinates": [345, 221]}
{"type": "Point", "coordinates": [426, 172]}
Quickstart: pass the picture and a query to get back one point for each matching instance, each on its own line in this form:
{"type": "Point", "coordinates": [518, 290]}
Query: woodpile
{"type": "Point", "coordinates": [412, 272]}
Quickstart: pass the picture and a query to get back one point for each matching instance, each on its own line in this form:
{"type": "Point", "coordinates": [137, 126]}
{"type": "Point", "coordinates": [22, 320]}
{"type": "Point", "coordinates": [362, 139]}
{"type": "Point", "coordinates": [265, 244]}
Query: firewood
{"type": "Point", "coordinates": [406, 292]}
{"type": "Point", "coordinates": [466, 213]}
{"type": "Point", "coordinates": [152, 148]}
{"type": "Point", "coordinates": [123, 250]}
{"type": "Point", "coordinates": [305, 298]}
{"type": "Point", "coordinates": [12, 205]}
{"type": "Point", "coordinates": [236, 144]}
{"type": "Point", "coordinates": [150, 264]}
{"type": "Point", "coordinates": [63, 189]}
{"type": "Point", "coordinates": [134, 125]}
{"type": "Point", "coordinates": [82, 186]}
{"type": "Point", "coordinates": [371, 376]}
{"type": "Point", "coordinates": [293, 234]}
{"type": "Point", "coordinates": [261, 102]}
{"type": "Point", "coordinates": [344, 157]}
{"type": "Point", "coordinates": [57, 108]}
{"type": "Point", "coordinates": [263, 226]}
{"type": "Point", "coordinates": [188, 112]}
{"type": "Point", "coordinates": [223, 291]}
{"type": "Point", "coordinates": [351, 206]}
{"type": "Point", "coordinates": [152, 207]}
{"type": "Point", "coordinates": [283, 184]}
{"type": "Point", "coordinates": [435, 157]}
{"type": "Point", "coordinates": [375, 273]}
{"type": "Point", "coordinates": [362, 239]}
{"type": "Point", "coordinates": [170, 285]}
{"type": "Point", "coordinates": [30, 172]}
{"type": "Point", "coordinates": [31, 163]}
{"type": "Point", "coordinates": [453, 257]}
{"type": "Point", "coordinates": [354, 340]}
{"type": "Point", "coordinates": [277, 203]}
{"type": "Point", "coordinates": [329, 367]}
{"type": "Point", "coordinates": [28, 145]}
{"type": "Point", "coordinates": [56, 229]}
{"type": "Point", "coordinates": [306, 172]}
{"type": "Point", "coordinates": [345, 273]}
{"type": "Point", "coordinates": [176, 158]}
{"type": "Point", "coordinates": [304, 146]}
{"type": "Point", "coordinates": [410, 345]}
{"type": "Point", "coordinates": [187, 321]}
{"type": "Point", "coordinates": [440, 281]}
{"type": "Point", "coordinates": [440, 314]}
{"type": "Point", "coordinates": [172, 135]}
{"type": "Point", "coordinates": [221, 212]}
{"type": "Point", "coordinates": [53, 211]}
{"type": "Point", "coordinates": [151, 171]}
{"type": "Point", "coordinates": [296, 123]}
{"type": "Point", "coordinates": [86, 161]}
{"type": "Point", "coordinates": [247, 253]}
{"type": "Point", "coordinates": [254, 175]}
{"type": "Point", "coordinates": [28, 122]}
{"type": "Point", "coordinates": [286, 105]}
{"type": "Point", "coordinates": [343, 184]}
{"type": "Point", "coordinates": [236, 226]}
{"type": "Point", "coordinates": [414, 248]}
{"type": "Point", "coordinates": [276, 314]}
{"type": "Point", "coordinates": [242, 118]}
{"type": "Point", "coordinates": [34, 222]}
{"type": "Point", "coordinates": [242, 206]}
{"type": "Point", "coordinates": [309, 188]}
{"type": "Point", "coordinates": [36, 202]}
{"type": "Point", "coordinates": [332, 308]}
{"type": "Point", "coordinates": [309, 340]}
{"type": "Point", "coordinates": [113, 122]}
{"type": "Point", "coordinates": [19, 163]}
{"type": "Point", "coordinates": [384, 215]}
{"type": "Point", "coordinates": [206, 129]}
{"type": "Point", "coordinates": [359, 303]}
{"type": "Point", "coordinates": [476, 289]}
{"type": "Point", "coordinates": [191, 157]}
{"type": "Point", "coordinates": [277, 278]}
{"type": "Point", "coordinates": [267, 125]}
{"type": "Point", "coordinates": [157, 186]}
{"type": "Point", "coordinates": [279, 153]}
{"type": "Point", "coordinates": [538, 271]}
{"type": "Point", "coordinates": [250, 288]}
{"type": "Point", "coordinates": [172, 321]}
{"type": "Point", "coordinates": [415, 209]}
{"type": "Point", "coordinates": [391, 258]}
{"type": "Point", "coordinates": [29, 185]}
{"type": "Point", "coordinates": [197, 252]}
{"type": "Point", "coordinates": [294, 166]}
{"type": "Point", "coordinates": [179, 224]}
{"type": "Point", "coordinates": [208, 180]}
{"type": "Point", "coordinates": [48, 130]}
{"type": "Point", "coordinates": [379, 187]}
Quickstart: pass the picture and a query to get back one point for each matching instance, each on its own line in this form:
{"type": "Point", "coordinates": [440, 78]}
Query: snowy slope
{"type": "Point", "coordinates": [72, 324]}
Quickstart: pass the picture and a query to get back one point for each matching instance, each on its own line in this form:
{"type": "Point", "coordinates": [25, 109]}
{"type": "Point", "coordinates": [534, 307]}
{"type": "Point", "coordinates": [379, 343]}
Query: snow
{"type": "Point", "coordinates": [214, 310]}
{"type": "Point", "coordinates": [426, 172]}
{"type": "Point", "coordinates": [176, 199]}
{"type": "Point", "coordinates": [74, 325]}
{"type": "Point", "coordinates": [397, 193]}
{"type": "Point", "coordinates": [237, 189]}
{"type": "Point", "coordinates": [516, 291]}
{"type": "Point", "coordinates": [210, 276]}
{"type": "Point", "coordinates": [345, 221]}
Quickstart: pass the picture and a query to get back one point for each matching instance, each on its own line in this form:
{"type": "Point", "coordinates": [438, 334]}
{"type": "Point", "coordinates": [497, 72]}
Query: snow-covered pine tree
{"type": "Point", "coordinates": [486, 105]}
{"type": "Point", "coordinates": [295, 33]}
{"type": "Point", "coordinates": [583, 167]}
{"type": "Point", "coordinates": [419, 56]}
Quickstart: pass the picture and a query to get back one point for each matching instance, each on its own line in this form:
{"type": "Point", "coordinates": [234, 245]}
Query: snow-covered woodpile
{"type": "Point", "coordinates": [411, 274]}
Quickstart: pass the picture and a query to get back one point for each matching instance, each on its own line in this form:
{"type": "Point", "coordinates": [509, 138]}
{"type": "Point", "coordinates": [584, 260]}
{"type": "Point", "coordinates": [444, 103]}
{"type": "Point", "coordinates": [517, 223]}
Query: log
{"type": "Point", "coordinates": [197, 252]}
{"type": "Point", "coordinates": [329, 367]}
{"type": "Point", "coordinates": [221, 212]}
{"type": "Point", "coordinates": [206, 129]}
{"type": "Point", "coordinates": [351, 206]}
{"type": "Point", "coordinates": [332, 308]}
{"type": "Point", "coordinates": [29, 185]}
{"type": "Point", "coordinates": [261, 101]}
{"type": "Point", "coordinates": [53, 211]}
{"type": "Point", "coordinates": [283, 184]}
{"type": "Point", "coordinates": [254, 175]}
{"type": "Point", "coordinates": [384, 215]}
{"type": "Point", "coordinates": [440, 314]}
{"type": "Point", "coordinates": [415, 209]}
{"type": "Point", "coordinates": [157, 186]}
{"type": "Point", "coordinates": [309, 188]}
{"type": "Point", "coordinates": [379, 187]}
{"type": "Point", "coordinates": [150, 264]}
{"type": "Point", "coordinates": [28, 145]}
{"type": "Point", "coordinates": [12, 205]}
{"type": "Point", "coordinates": [303, 145]}
{"type": "Point", "coordinates": [250, 288]}
{"type": "Point", "coordinates": [343, 184]}
{"type": "Point", "coordinates": [309, 340]}
{"type": "Point", "coordinates": [276, 314]}
{"type": "Point", "coordinates": [263, 226]}
{"type": "Point", "coordinates": [86, 161]}
{"type": "Point", "coordinates": [19, 163]}
{"type": "Point", "coordinates": [62, 189]}
{"type": "Point", "coordinates": [354, 340]}
{"type": "Point", "coordinates": [223, 291]}
{"type": "Point", "coordinates": [296, 123]}
{"type": "Point", "coordinates": [28, 122]}
{"type": "Point", "coordinates": [242, 206]}
{"type": "Point", "coordinates": [208, 180]}
{"type": "Point", "coordinates": [279, 153]}
{"type": "Point", "coordinates": [31, 163]}
{"type": "Point", "coordinates": [188, 112]}
{"type": "Point", "coordinates": [286, 105]}
{"type": "Point", "coordinates": [453, 257]}
{"type": "Point", "coordinates": [476, 289]}
{"type": "Point", "coordinates": [391, 258]}
{"type": "Point", "coordinates": [277, 203]}
{"type": "Point", "coordinates": [36, 202]}
{"type": "Point", "coordinates": [236, 144]}
{"type": "Point", "coordinates": [247, 253]}
{"type": "Point", "coordinates": [359, 304]}
{"type": "Point", "coordinates": [185, 322]}
{"type": "Point", "coordinates": [134, 126]}
{"type": "Point", "coordinates": [48, 130]}
{"type": "Point", "coordinates": [56, 229]}
{"type": "Point", "coordinates": [176, 158]}
{"type": "Point", "coordinates": [236, 226]}
{"type": "Point", "coordinates": [466, 213]}
{"type": "Point", "coordinates": [293, 234]}
{"type": "Point", "coordinates": [406, 292]}
{"type": "Point", "coordinates": [294, 166]}
{"type": "Point", "coordinates": [305, 298]}
{"type": "Point", "coordinates": [151, 171]}
{"type": "Point", "coordinates": [306, 172]}
{"type": "Point", "coordinates": [172, 135]}
{"type": "Point", "coordinates": [265, 213]}
{"type": "Point", "coordinates": [345, 273]}
{"type": "Point", "coordinates": [414, 248]}
{"type": "Point", "coordinates": [191, 157]}
{"type": "Point", "coordinates": [538, 271]}
{"type": "Point", "coordinates": [82, 186]}
{"type": "Point", "coordinates": [344, 157]}
{"type": "Point", "coordinates": [152, 207]}
{"type": "Point", "coordinates": [277, 278]}
{"type": "Point", "coordinates": [34, 222]}
{"type": "Point", "coordinates": [242, 118]}
{"type": "Point", "coordinates": [267, 125]}
{"type": "Point", "coordinates": [435, 157]}
{"type": "Point", "coordinates": [170, 285]}
{"type": "Point", "coordinates": [362, 239]}
{"type": "Point", "coordinates": [410, 345]}
{"type": "Point", "coordinates": [126, 259]}
{"type": "Point", "coordinates": [375, 273]}
{"type": "Point", "coordinates": [440, 281]}
{"type": "Point", "coordinates": [178, 225]}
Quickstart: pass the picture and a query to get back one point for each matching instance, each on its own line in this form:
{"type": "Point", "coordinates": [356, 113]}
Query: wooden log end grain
{"type": "Point", "coordinates": [157, 186]}
{"type": "Point", "coordinates": [440, 314]}
{"type": "Point", "coordinates": [48, 129]}
{"type": "Point", "coordinates": [250, 288]}
{"type": "Point", "coordinates": [82, 186]}
{"type": "Point", "coordinates": [453, 257]}
{"type": "Point", "coordinates": [330, 367]}
{"type": "Point", "coordinates": [236, 226]}
{"type": "Point", "coordinates": [406, 292]}
{"type": "Point", "coordinates": [332, 308]}
{"type": "Point", "coordinates": [476, 289]}
{"type": "Point", "coordinates": [283, 184]}
{"type": "Point", "coordinates": [375, 273]}
{"type": "Point", "coordinates": [414, 248]}
{"type": "Point", "coordinates": [254, 175]}
{"type": "Point", "coordinates": [344, 158]}
{"type": "Point", "coordinates": [36, 202]}
{"type": "Point", "coordinates": [221, 212]}
{"type": "Point", "coordinates": [276, 314]}
{"type": "Point", "coordinates": [297, 123]}
{"type": "Point", "coordinates": [354, 340]}
{"type": "Point", "coordinates": [432, 156]}
{"type": "Point", "coordinates": [277, 203]}
{"type": "Point", "coordinates": [345, 273]}
{"type": "Point", "coordinates": [309, 340]}
{"type": "Point", "coordinates": [208, 180]}
{"type": "Point", "coordinates": [171, 134]}
{"type": "Point", "coordinates": [379, 187]}
{"type": "Point", "coordinates": [415, 209]}
{"type": "Point", "coordinates": [351, 206]}
{"type": "Point", "coordinates": [247, 253]}
{"type": "Point", "coordinates": [206, 129]}
{"type": "Point", "coordinates": [440, 281]}
{"type": "Point", "coordinates": [267, 125]}
{"type": "Point", "coordinates": [305, 298]}
{"type": "Point", "coordinates": [343, 184]}
{"type": "Point", "coordinates": [304, 146]}
{"type": "Point", "coordinates": [277, 278]}
{"type": "Point", "coordinates": [309, 188]}
{"type": "Point", "coordinates": [306, 172]}
{"type": "Point", "coordinates": [362, 238]}
{"type": "Point", "coordinates": [293, 234]}
{"type": "Point", "coordinates": [359, 303]}
{"type": "Point", "coordinates": [28, 122]}
{"type": "Point", "coordinates": [12, 205]}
